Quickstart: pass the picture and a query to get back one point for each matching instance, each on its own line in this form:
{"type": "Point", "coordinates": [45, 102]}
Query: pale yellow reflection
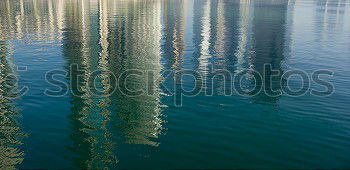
{"type": "Point", "coordinates": [10, 132]}
{"type": "Point", "coordinates": [31, 20]}
{"type": "Point", "coordinates": [140, 34]}
{"type": "Point", "coordinates": [205, 44]}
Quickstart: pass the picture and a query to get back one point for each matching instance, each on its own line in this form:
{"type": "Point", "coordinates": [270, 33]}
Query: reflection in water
{"type": "Point", "coordinates": [237, 35]}
{"type": "Point", "coordinates": [153, 35]}
{"type": "Point", "coordinates": [174, 37]}
{"type": "Point", "coordinates": [135, 44]}
{"type": "Point", "coordinates": [269, 38]}
{"type": "Point", "coordinates": [205, 44]}
{"type": "Point", "coordinates": [329, 17]}
{"type": "Point", "coordinates": [90, 115]}
{"type": "Point", "coordinates": [202, 36]}
{"type": "Point", "coordinates": [246, 11]}
{"type": "Point", "coordinates": [10, 131]}
{"type": "Point", "coordinates": [174, 29]}
{"type": "Point", "coordinates": [221, 31]}
{"type": "Point", "coordinates": [31, 20]}
{"type": "Point", "coordinates": [131, 41]}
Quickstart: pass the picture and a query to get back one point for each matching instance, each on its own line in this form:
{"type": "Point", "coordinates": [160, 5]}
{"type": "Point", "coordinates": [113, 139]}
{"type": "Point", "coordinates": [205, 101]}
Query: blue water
{"type": "Point", "coordinates": [208, 129]}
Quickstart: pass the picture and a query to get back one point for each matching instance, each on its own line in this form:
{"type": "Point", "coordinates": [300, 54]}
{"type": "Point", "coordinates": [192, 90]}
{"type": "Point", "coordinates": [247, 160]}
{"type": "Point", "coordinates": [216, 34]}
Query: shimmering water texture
{"type": "Point", "coordinates": [150, 130]}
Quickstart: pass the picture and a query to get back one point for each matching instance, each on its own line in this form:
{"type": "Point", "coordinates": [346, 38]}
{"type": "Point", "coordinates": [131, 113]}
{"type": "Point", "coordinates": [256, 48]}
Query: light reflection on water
{"type": "Point", "coordinates": [11, 133]}
{"type": "Point", "coordinates": [148, 131]}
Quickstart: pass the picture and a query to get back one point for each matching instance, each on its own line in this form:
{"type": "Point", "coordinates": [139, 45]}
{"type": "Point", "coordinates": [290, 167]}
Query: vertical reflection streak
{"type": "Point", "coordinates": [19, 20]}
{"type": "Point", "coordinates": [60, 15]}
{"type": "Point", "coordinates": [10, 131]}
{"type": "Point", "coordinates": [221, 29]}
{"type": "Point", "coordinates": [205, 44]}
{"type": "Point", "coordinates": [37, 18]}
{"type": "Point", "coordinates": [138, 118]}
{"type": "Point", "coordinates": [245, 12]}
{"type": "Point", "coordinates": [269, 38]}
{"type": "Point", "coordinates": [174, 29]}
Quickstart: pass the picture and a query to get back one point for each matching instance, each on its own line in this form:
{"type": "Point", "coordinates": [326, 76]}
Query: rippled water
{"type": "Point", "coordinates": [151, 130]}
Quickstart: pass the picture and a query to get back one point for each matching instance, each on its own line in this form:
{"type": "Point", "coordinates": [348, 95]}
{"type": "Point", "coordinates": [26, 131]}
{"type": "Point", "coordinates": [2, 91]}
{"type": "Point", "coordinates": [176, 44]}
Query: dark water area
{"type": "Point", "coordinates": [162, 128]}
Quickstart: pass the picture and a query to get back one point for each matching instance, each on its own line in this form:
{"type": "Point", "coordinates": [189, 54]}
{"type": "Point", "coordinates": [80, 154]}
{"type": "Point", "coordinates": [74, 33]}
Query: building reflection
{"type": "Point", "coordinates": [135, 45]}
{"type": "Point", "coordinates": [31, 20]}
{"type": "Point", "coordinates": [173, 44]}
{"type": "Point", "coordinates": [329, 17]}
{"type": "Point", "coordinates": [221, 30]}
{"type": "Point", "coordinates": [127, 42]}
{"type": "Point", "coordinates": [202, 39]}
{"type": "Point", "coordinates": [11, 133]}
{"type": "Point", "coordinates": [204, 44]}
{"type": "Point", "coordinates": [92, 140]}
{"type": "Point", "coordinates": [122, 35]}
{"type": "Point", "coordinates": [239, 35]}
{"type": "Point", "coordinates": [24, 20]}
{"type": "Point", "coordinates": [214, 35]}
{"type": "Point", "coordinates": [269, 35]}
{"type": "Point", "coordinates": [244, 44]}
{"type": "Point", "coordinates": [174, 30]}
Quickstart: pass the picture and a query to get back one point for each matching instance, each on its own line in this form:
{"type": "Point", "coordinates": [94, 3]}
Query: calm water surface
{"type": "Point", "coordinates": [149, 131]}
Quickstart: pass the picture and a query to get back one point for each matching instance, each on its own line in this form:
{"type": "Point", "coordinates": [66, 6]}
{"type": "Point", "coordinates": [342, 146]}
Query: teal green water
{"type": "Point", "coordinates": [152, 131]}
